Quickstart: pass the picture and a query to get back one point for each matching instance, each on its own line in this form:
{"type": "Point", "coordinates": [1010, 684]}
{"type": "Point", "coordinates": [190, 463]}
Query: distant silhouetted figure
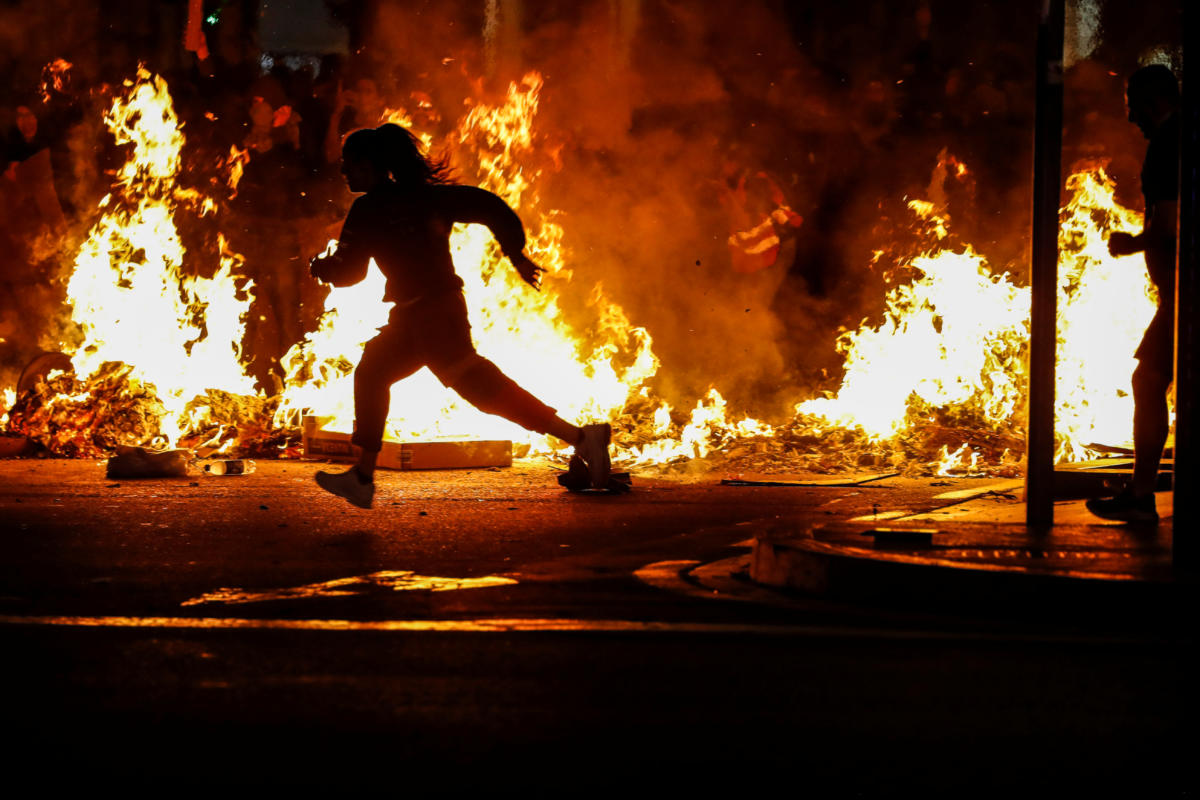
{"type": "Point", "coordinates": [28, 165]}
{"type": "Point", "coordinates": [403, 222]}
{"type": "Point", "coordinates": [1153, 99]}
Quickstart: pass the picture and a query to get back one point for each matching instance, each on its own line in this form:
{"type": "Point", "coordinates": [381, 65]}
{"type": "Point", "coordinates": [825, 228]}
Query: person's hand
{"type": "Point", "coordinates": [530, 272]}
{"type": "Point", "coordinates": [1123, 244]}
{"type": "Point", "coordinates": [315, 265]}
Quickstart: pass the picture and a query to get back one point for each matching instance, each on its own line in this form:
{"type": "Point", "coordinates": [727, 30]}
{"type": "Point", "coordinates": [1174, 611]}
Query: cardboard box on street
{"type": "Point", "coordinates": [434, 454]}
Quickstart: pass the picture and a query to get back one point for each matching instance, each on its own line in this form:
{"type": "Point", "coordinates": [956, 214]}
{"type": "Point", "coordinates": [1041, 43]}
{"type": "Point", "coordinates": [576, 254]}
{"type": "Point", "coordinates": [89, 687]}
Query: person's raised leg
{"type": "Point", "coordinates": [483, 385]}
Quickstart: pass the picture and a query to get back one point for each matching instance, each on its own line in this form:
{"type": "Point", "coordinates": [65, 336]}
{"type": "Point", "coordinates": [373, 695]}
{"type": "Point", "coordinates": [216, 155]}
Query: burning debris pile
{"type": "Point", "coordinates": [78, 419]}
{"type": "Point", "coordinates": [947, 367]}
{"type": "Point", "coordinates": [937, 385]}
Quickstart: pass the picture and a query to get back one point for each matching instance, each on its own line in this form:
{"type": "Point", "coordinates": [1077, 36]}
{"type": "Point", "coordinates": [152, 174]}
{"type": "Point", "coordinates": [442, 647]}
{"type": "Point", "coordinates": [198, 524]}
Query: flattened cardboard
{"type": "Point", "coordinates": [435, 454]}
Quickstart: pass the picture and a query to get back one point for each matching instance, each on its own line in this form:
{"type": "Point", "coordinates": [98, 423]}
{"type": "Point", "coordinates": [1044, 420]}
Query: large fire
{"type": "Point", "coordinates": [955, 334]}
{"type": "Point", "coordinates": [160, 348]}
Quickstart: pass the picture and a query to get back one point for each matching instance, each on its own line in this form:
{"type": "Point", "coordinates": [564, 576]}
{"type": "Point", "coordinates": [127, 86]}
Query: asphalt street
{"type": "Point", "coordinates": [487, 627]}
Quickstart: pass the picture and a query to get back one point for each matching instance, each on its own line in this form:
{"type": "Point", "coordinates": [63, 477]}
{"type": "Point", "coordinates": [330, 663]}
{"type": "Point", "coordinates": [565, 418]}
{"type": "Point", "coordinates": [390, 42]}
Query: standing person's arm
{"type": "Point", "coordinates": [1160, 232]}
{"type": "Point", "coordinates": [1158, 235]}
{"type": "Point", "coordinates": [472, 205]}
{"type": "Point", "coordinates": [1159, 244]}
{"type": "Point", "coordinates": [1160, 185]}
{"type": "Point", "coordinates": [347, 264]}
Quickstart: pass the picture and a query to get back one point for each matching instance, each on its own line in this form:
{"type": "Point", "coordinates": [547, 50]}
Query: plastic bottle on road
{"type": "Point", "coordinates": [230, 466]}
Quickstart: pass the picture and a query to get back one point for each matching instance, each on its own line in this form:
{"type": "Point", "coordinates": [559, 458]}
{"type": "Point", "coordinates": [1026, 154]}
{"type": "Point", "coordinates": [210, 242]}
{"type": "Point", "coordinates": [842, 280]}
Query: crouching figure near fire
{"type": "Point", "coordinates": [403, 221]}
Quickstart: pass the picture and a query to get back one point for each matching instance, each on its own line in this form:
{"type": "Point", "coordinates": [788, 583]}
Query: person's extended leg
{"type": "Point", "coordinates": [483, 385]}
{"type": "Point", "coordinates": [385, 360]}
{"type": "Point", "coordinates": [446, 335]}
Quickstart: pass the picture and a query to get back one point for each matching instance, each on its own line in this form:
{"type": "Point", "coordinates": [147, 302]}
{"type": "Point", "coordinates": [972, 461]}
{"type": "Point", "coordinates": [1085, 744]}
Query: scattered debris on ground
{"type": "Point", "coordinates": [139, 462]}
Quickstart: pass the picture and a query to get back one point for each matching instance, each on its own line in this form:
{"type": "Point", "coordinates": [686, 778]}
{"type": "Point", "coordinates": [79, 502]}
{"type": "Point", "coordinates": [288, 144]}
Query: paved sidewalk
{"type": "Point", "coordinates": [975, 549]}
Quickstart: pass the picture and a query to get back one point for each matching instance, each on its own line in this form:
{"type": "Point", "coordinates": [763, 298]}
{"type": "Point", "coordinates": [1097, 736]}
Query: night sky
{"type": "Point", "coordinates": [300, 26]}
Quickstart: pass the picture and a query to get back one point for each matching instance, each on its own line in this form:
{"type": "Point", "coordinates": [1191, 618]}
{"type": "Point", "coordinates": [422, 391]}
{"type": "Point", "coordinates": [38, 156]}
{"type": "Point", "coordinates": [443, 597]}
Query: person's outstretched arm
{"type": "Point", "coordinates": [347, 264]}
{"type": "Point", "coordinates": [472, 205]}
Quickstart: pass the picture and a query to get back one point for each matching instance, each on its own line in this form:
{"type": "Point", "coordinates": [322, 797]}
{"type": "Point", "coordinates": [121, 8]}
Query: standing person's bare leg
{"type": "Point", "coordinates": [1151, 425]}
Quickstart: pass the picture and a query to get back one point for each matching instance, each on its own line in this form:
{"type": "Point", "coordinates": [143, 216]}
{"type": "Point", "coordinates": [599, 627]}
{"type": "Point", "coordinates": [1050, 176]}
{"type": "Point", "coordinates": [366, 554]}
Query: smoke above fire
{"type": "Point", "coordinates": [649, 144]}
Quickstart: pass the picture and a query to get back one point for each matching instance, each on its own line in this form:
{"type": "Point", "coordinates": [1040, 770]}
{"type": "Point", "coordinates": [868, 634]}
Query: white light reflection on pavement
{"type": "Point", "coordinates": [396, 580]}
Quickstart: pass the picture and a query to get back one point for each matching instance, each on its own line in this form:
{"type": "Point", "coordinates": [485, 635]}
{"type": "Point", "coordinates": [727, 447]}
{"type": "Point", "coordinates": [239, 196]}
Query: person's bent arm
{"type": "Point", "coordinates": [347, 264]}
{"type": "Point", "coordinates": [1158, 240]}
{"type": "Point", "coordinates": [1126, 244]}
{"type": "Point", "coordinates": [472, 205]}
{"type": "Point", "coordinates": [1159, 233]}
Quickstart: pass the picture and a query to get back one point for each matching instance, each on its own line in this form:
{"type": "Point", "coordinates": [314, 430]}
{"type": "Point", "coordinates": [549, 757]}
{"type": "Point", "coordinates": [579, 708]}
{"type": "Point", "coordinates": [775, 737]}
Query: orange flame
{"type": "Point", "coordinates": [955, 336]}
{"type": "Point", "coordinates": [523, 331]}
{"type": "Point", "coordinates": [55, 77]}
{"type": "Point", "coordinates": [180, 333]}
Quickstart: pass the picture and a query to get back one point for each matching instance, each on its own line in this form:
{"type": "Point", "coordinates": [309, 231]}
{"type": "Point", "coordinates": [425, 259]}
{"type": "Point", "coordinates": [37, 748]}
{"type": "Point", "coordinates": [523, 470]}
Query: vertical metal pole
{"type": "Point", "coordinates": [1187, 456]}
{"type": "Point", "coordinates": [1047, 183]}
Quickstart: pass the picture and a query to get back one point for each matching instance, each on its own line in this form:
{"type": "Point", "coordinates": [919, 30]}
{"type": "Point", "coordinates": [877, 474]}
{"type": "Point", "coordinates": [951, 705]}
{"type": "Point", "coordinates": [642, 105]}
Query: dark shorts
{"type": "Point", "coordinates": [436, 333]}
{"type": "Point", "coordinates": [1157, 349]}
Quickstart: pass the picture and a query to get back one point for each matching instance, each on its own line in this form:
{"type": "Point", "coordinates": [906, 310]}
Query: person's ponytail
{"type": "Point", "coordinates": [399, 154]}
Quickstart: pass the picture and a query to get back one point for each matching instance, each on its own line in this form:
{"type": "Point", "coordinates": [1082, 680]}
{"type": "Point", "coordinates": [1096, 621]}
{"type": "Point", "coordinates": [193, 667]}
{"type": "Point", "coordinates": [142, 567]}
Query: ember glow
{"type": "Point", "coordinates": [235, 166]}
{"type": "Point", "coordinates": [55, 77]}
{"type": "Point", "coordinates": [9, 398]}
{"type": "Point", "coordinates": [952, 342]}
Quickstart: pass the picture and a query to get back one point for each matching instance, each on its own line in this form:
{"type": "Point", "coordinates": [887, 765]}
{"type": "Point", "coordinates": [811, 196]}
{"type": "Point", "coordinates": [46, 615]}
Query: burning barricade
{"type": "Point", "coordinates": [936, 386]}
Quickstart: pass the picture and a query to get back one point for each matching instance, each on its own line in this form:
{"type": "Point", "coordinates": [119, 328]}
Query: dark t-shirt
{"type": "Point", "coordinates": [408, 235]}
{"type": "Point", "coordinates": [1160, 184]}
{"type": "Point", "coordinates": [1160, 170]}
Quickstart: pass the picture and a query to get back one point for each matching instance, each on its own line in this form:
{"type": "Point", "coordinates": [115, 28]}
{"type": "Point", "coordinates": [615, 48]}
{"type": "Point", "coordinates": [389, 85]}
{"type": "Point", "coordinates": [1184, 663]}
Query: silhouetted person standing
{"type": "Point", "coordinates": [1153, 99]}
{"type": "Point", "coordinates": [403, 221]}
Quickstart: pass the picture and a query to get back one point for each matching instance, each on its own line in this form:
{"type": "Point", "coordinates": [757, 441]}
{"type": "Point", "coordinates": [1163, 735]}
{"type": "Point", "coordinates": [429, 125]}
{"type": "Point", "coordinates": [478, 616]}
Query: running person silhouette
{"type": "Point", "coordinates": [403, 221]}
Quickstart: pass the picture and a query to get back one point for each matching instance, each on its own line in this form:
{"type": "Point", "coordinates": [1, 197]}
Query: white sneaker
{"type": "Point", "coordinates": [346, 484]}
{"type": "Point", "coordinates": [593, 449]}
